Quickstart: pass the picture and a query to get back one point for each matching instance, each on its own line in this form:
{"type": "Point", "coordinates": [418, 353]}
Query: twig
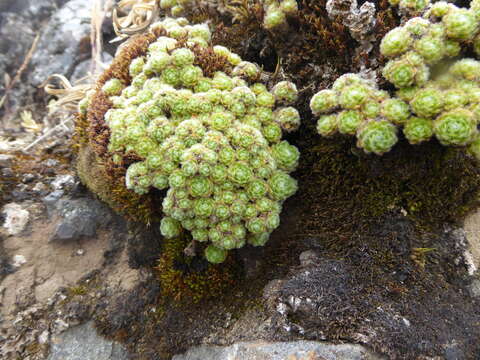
{"type": "Point", "coordinates": [47, 134]}
{"type": "Point", "coordinates": [21, 69]}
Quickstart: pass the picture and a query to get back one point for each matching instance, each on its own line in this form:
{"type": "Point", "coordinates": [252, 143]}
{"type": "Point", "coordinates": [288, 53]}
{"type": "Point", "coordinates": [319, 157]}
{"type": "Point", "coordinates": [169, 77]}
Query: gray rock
{"type": "Point", "coordinates": [474, 288]}
{"type": "Point", "coordinates": [16, 218]}
{"type": "Point", "coordinates": [63, 182]}
{"type": "Point", "coordinates": [5, 160]}
{"type": "Point", "coordinates": [82, 70]}
{"type": "Point", "coordinates": [83, 343]}
{"type": "Point", "coordinates": [37, 9]}
{"type": "Point", "coordinates": [297, 350]}
{"type": "Point", "coordinates": [64, 40]}
{"type": "Point", "coordinates": [79, 218]}
{"type": "Point", "coordinates": [51, 199]}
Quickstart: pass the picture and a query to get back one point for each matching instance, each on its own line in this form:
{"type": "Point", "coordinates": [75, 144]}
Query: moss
{"type": "Point", "coordinates": [192, 279]}
{"type": "Point", "coordinates": [109, 186]}
{"type": "Point", "coordinates": [77, 290]}
{"type": "Point", "coordinates": [430, 183]}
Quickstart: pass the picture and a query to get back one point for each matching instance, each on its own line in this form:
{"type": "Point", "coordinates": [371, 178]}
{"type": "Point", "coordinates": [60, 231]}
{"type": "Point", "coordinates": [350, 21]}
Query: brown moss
{"type": "Point", "coordinates": [109, 186]}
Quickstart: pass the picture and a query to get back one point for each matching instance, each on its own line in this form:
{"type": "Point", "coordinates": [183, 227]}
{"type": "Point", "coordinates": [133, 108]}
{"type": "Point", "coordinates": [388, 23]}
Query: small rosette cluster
{"type": "Point", "coordinates": [354, 106]}
{"type": "Point", "coordinates": [276, 12]}
{"type": "Point", "coordinates": [423, 42]}
{"type": "Point", "coordinates": [410, 6]}
{"type": "Point", "coordinates": [436, 95]}
{"type": "Point", "coordinates": [447, 108]}
{"type": "Point", "coordinates": [176, 8]}
{"type": "Point", "coordinates": [213, 142]}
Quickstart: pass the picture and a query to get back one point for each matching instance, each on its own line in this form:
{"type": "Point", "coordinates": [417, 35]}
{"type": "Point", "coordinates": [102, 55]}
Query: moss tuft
{"type": "Point", "coordinates": [192, 279]}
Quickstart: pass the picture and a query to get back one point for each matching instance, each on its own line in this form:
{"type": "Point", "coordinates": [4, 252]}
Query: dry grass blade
{"type": "Point", "coordinates": [20, 71]}
{"type": "Point", "coordinates": [28, 123]}
{"type": "Point", "coordinates": [68, 95]}
{"type": "Point", "coordinates": [140, 15]}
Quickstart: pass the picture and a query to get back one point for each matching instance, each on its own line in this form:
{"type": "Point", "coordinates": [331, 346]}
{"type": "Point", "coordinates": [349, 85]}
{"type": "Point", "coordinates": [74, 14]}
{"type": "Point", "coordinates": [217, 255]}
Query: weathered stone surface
{"type": "Point", "coordinates": [79, 217]}
{"type": "Point", "coordinates": [83, 343]}
{"type": "Point", "coordinates": [16, 218]}
{"type": "Point", "coordinates": [297, 350]}
{"type": "Point", "coordinates": [472, 232]}
{"type": "Point", "coordinates": [65, 38]}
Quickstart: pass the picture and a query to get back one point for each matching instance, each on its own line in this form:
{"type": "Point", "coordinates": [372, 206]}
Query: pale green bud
{"type": "Point", "coordinates": [112, 87]}
{"type": "Point", "coordinates": [324, 101]}
{"type": "Point", "coordinates": [460, 24]}
{"type": "Point", "coordinates": [418, 130]}
{"type": "Point", "coordinates": [274, 17]}
{"type": "Point", "coordinates": [353, 97]}
{"type": "Point", "coordinates": [285, 92]}
{"type": "Point", "coordinates": [240, 173]}
{"type": "Point", "coordinates": [468, 69]}
{"type": "Point", "coordinates": [432, 49]}
{"type": "Point", "coordinates": [200, 186]}
{"type": "Point", "coordinates": [288, 118]}
{"type": "Point", "coordinates": [396, 111]}
{"type": "Point", "coordinates": [204, 207]}
{"type": "Point", "coordinates": [215, 255]}
{"type": "Point", "coordinates": [456, 127]}
{"type": "Point", "coordinates": [259, 239]}
{"type": "Point", "coordinates": [427, 103]}
{"type": "Point", "coordinates": [272, 132]}
{"type": "Point", "coordinates": [256, 189]}
{"type": "Point", "coordinates": [395, 42]}
{"type": "Point", "coordinates": [348, 121]}
{"type": "Point", "coordinates": [377, 137]}
{"type": "Point", "coordinates": [327, 125]}
{"type": "Point", "coordinates": [289, 6]}
{"type": "Point", "coordinates": [170, 228]}
{"type": "Point", "coordinates": [286, 155]}
{"type": "Point", "coordinates": [200, 31]}
{"type": "Point", "coordinates": [247, 69]}
{"type": "Point", "coordinates": [136, 66]}
{"type": "Point", "coordinates": [282, 185]}
{"type": "Point", "coordinates": [182, 57]}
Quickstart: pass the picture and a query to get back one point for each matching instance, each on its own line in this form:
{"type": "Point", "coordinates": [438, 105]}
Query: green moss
{"type": "Point", "coordinates": [191, 279]}
{"type": "Point", "coordinates": [431, 183]}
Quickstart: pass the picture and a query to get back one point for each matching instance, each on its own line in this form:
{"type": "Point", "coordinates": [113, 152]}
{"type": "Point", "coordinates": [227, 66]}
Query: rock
{"type": "Point", "coordinates": [34, 9]}
{"type": "Point", "coordinates": [43, 337]}
{"type": "Point", "coordinates": [308, 258]}
{"type": "Point", "coordinates": [50, 163]}
{"type": "Point", "coordinates": [359, 21]}
{"type": "Point", "coordinates": [16, 218]}
{"type": "Point", "coordinates": [79, 218]}
{"type": "Point", "coordinates": [471, 226]}
{"type": "Point", "coordinates": [27, 178]}
{"type": "Point", "coordinates": [40, 188]}
{"type": "Point", "coordinates": [64, 41]}
{"type": "Point", "coordinates": [474, 288]}
{"type": "Point", "coordinates": [51, 199]}
{"type": "Point", "coordinates": [18, 260]}
{"type": "Point", "coordinates": [297, 350]}
{"type": "Point", "coordinates": [6, 160]}
{"type": "Point", "coordinates": [83, 343]}
{"type": "Point", "coordinates": [82, 70]}
{"type": "Point", "coordinates": [7, 172]}
{"type": "Point", "coordinates": [63, 182]}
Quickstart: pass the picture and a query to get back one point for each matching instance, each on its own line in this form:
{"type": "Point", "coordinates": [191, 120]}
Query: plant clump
{"type": "Point", "coordinates": [276, 12]}
{"type": "Point", "coordinates": [199, 125]}
{"type": "Point", "coordinates": [410, 6]}
{"type": "Point", "coordinates": [176, 8]}
{"type": "Point", "coordinates": [435, 96]}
